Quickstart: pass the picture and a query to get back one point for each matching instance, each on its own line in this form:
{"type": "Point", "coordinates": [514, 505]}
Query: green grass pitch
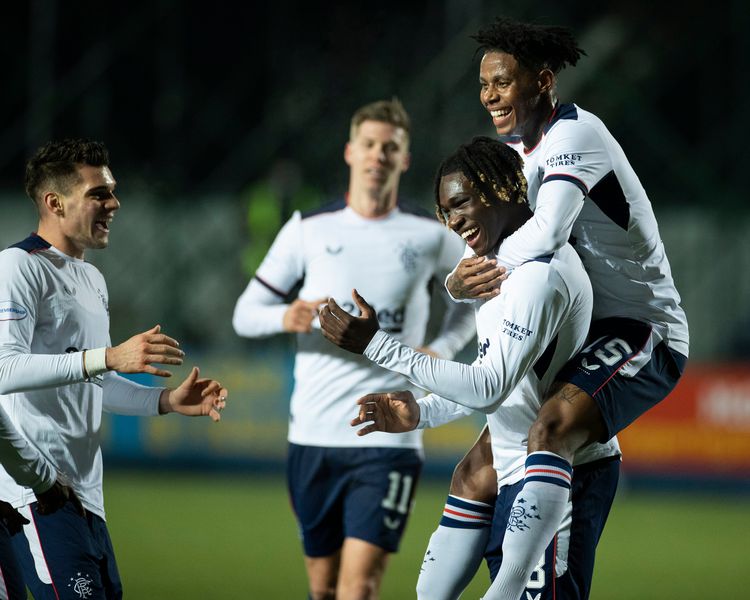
{"type": "Point", "coordinates": [197, 536]}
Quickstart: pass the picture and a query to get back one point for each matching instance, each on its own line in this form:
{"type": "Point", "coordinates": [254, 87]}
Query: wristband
{"type": "Point", "coordinates": [94, 362]}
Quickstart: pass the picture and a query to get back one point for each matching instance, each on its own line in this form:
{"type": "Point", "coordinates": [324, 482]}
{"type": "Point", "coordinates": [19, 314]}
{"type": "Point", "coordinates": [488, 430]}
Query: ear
{"type": "Point", "coordinates": [347, 154]}
{"type": "Point", "coordinates": [546, 81]}
{"type": "Point", "coordinates": [407, 162]}
{"type": "Point", "coordinates": [53, 204]}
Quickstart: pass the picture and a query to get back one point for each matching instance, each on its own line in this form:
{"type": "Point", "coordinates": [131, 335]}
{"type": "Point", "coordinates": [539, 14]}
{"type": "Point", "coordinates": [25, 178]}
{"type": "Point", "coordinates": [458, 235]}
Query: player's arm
{"type": "Point", "coordinates": [194, 397]}
{"type": "Point", "coordinates": [21, 460]}
{"type": "Point", "coordinates": [398, 412]}
{"type": "Point", "coordinates": [531, 300]}
{"type": "Point", "coordinates": [262, 309]}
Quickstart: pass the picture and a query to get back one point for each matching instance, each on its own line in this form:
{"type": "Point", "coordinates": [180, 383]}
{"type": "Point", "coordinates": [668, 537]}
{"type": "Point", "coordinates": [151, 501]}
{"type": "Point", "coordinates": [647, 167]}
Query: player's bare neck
{"type": "Point", "coordinates": [49, 232]}
{"type": "Point", "coordinates": [372, 205]}
{"type": "Point", "coordinates": [537, 122]}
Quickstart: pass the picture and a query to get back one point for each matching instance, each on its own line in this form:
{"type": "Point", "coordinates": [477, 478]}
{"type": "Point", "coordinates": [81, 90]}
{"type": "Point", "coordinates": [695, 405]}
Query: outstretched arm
{"type": "Point", "coordinates": [195, 397]}
{"type": "Point", "coordinates": [392, 412]}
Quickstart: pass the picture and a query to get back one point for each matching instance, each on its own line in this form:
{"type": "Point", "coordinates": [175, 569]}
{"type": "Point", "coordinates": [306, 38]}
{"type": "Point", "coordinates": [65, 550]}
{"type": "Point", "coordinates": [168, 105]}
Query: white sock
{"type": "Point", "coordinates": [535, 517]}
{"type": "Point", "coordinates": [455, 550]}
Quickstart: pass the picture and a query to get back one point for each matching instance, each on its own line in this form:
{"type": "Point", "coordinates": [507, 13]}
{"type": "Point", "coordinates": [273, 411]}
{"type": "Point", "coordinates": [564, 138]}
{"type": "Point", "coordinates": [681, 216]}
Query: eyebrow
{"type": "Point", "coordinates": [101, 188]}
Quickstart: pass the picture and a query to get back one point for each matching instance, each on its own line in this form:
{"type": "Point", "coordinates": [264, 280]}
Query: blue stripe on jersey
{"type": "Point", "coordinates": [32, 244]}
{"type": "Point", "coordinates": [562, 111]}
{"type": "Point", "coordinates": [543, 362]}
{"type": "Point", "coordinates": [574, 180]}
{"type": "Point", "coordinates": [339, 204]}
{"type": "Point", "coordinates": [609, 197]}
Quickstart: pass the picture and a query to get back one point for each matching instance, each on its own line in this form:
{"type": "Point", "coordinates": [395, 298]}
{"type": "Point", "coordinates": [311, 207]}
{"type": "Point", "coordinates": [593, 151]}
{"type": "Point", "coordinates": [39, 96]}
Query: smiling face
{"type": "Point", "coordinates": [519, 101]}
{"type": "Point", "coordinates": [79, 217]}
{"type": "Point", "coordinates": [482, 225]}
{"type": "Point", "coordinates": [377, 154]}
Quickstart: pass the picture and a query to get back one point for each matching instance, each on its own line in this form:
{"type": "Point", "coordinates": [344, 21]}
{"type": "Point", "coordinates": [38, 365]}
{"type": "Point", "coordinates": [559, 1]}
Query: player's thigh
{"type": "Point", "coordinates": [380, 494]}
{"type": "Point", "coordinates": [65, 556]}
{"type": "Point", "coordinates": [626, 369]}
{"type": "Point", "coordinates": [12, 586]}
{"type": "Point", "coordinates": [474, 477]}
{"type": "Point", "coordinates": [317, 481]}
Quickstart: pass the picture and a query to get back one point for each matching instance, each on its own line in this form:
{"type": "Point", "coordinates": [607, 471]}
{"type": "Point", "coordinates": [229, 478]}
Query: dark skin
{"type": "Point", "coordinates": [47, 502]}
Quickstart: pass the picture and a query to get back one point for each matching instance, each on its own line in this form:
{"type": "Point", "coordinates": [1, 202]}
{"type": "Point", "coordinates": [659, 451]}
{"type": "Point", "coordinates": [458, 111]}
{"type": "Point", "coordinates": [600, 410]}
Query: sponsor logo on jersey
{"type": "Point", "coordinates": [391, 319]}
{"type": "Point", "coordinates": [12, 311]}
{"type": "Point", "coordinates": [517, 332]}
{"type": "Point", "coordinates": [103, 298]}
{"type": "Point", "coordinates": [567, 159]}
{"type": "Point", "coordinates": [391, 523]}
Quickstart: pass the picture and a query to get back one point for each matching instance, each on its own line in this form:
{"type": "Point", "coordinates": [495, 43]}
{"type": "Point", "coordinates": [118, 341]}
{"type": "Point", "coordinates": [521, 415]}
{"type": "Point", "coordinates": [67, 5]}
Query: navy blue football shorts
{"type": "Point", "coordinates": [363, 493]}
{"type": "Point", "coordinates": [12, 586]}
{"type": "Point", "coordinates": [566, 569]}
{"type": "Point", "coordinates": [65, 556]}
{"type": "Point", "coordinates": [625, 368]}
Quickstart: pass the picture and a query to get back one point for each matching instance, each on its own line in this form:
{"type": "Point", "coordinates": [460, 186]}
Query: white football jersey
{"type": "Point", "coordinates": [613, 229]}
{"type": "Point", "coordinates": [390, 261]}
{"type": "Point", "coordinates": [525, 336]}
{"type": "Point", "coordinates": [54, 307]}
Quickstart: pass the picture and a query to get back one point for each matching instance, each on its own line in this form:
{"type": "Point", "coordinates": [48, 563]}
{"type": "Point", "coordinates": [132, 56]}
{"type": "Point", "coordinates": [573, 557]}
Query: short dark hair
{"type": "Point", "coordinates": [386, 111]}
{"type": "Point", "coordinates": [492, 168]}
{"type": "Point", "coordinates": [56, 162]}
{"type": "Point", "coordinates": [536, 47]}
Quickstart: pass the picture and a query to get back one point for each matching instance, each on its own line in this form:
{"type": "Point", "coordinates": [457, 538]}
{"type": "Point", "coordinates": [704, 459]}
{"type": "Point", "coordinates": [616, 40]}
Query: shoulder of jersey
{"type": "Point", "coordinates": [331, 207]}
{"type": "Point", "coordinates": [31, 244]}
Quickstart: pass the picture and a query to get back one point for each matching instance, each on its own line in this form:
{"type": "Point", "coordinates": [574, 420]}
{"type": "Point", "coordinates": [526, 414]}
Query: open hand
{"type": "Point", "coordinates": [344, 330]}
{"type": "Point", "coordinates": [393, 412]}
{"type": "Point", "coordinates": [137, 354]}
{"type": "Point", "coordinates": [195, 397]}
{"type": "Point", "coordinates": [476, 278]}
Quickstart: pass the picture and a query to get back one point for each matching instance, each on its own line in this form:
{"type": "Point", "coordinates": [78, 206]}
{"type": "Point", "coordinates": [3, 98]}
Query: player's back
{"type": "Point", "coordinates": [616, 233]}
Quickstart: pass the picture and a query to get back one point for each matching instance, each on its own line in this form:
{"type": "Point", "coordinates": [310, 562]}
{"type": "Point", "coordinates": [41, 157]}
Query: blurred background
{"type": "Point", "coordinates": [222, 119]}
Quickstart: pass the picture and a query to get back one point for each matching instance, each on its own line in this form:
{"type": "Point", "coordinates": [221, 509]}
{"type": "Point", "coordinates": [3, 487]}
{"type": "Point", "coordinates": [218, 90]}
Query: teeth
{"type": "Point", "coordinates": [469, 232]}
{"type": "Point", "coordinates": [503, 112]}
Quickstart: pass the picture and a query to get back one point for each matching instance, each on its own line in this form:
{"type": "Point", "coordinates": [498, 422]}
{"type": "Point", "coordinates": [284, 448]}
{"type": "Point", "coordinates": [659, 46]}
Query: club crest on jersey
{"type": "Point", "coordinates": [520, 514]}
{"type": "Point", "coordinates": [103, 298]}
{"type": "Point", "coordinates": [334, 250]}
{"type": "Point", "coordinates": [81, 585]}
{"type": "Point", "coordinates": [408, 254]}
{"type": "Point", "coordinates": [12, 311]}
{"type": "Point", "coordinates": [517, 332]}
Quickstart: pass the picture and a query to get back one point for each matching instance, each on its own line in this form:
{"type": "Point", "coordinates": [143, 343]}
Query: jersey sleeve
{"type": "Point", "coordinates": [260, 309]}
{"type": "Point", "coordinates": [21, 460]}
{"type": "Point", "coordinates": [575, 159]}
{"type": "Point", "coordinates": [125, 397]}
{"type": "Point", "coordinates": [434, 411]}
{"type": "Point", "coordinates": [21, 290]}
{"type": "Point", "coordinates": [457, 327]}
{"type": "Point", "coordinates": [532, 308]}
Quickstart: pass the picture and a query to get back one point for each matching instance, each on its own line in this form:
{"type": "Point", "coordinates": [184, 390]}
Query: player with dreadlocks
{"type": "Point", "coordinates": [582, 188]}
{"type": "Point", "coordinates": [525, 336]}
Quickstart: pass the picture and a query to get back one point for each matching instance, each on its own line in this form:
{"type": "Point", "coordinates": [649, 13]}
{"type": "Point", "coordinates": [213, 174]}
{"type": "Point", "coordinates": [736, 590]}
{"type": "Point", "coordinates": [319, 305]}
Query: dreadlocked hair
{"type": "Point", "coordinates": [536, 47]}
{"type": "Point", "coordinates": [493, 169]}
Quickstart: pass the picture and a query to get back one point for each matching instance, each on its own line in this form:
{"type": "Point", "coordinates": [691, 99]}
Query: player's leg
{"type": "Point", "coordinates": [621, 374]}
{"type": "Point", "coordinates": [456, 547]}
{"type": "Point", "coordinates": [565, 569]}
{"type": "Point", "coordinates": [316, 488]}
{"type": "Point", "coordinates": [362, 568]}
{"type": "Point", "coordinates": [378, 502]}
{"type": "Point", "coordinates": [62, 556]}
{"type": "Point", "coordinates": [12, 586]}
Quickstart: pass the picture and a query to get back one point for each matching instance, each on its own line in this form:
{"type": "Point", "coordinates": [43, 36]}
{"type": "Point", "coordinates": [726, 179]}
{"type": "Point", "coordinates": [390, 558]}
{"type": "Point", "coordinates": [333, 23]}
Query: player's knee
{"type": "Point", "coordinates": [549, 433]}
{"type": "Point", "coordinates": [322, 593]}
{"type": "Point", "coordinates": [358, 588]}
